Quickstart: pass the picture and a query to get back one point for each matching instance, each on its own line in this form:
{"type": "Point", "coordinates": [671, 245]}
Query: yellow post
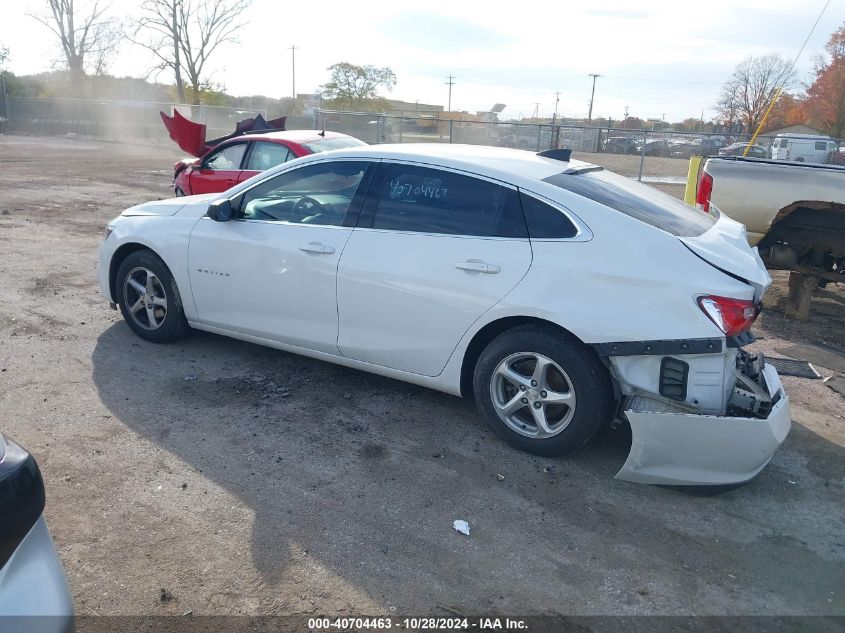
{"type": "Point", "coordinates": [762, 123]}
{"type": "Point", "coordinates": [692, 180]}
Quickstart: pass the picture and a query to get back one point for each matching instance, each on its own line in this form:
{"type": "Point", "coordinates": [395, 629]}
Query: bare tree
{"type": "Point", "coordinates": [158, 30]}
{"type": "Point", "coordinates": [87, 37]}
{"type": "Point", "coordinates": [747, 94]}
{"type": "Point", "coordinates": [184, 34]}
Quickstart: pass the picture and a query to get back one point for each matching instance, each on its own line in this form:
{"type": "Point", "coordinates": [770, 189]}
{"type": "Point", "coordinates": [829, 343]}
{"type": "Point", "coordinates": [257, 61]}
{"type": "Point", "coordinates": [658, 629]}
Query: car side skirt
{"type": "Point", "coordinates": [437, 383]}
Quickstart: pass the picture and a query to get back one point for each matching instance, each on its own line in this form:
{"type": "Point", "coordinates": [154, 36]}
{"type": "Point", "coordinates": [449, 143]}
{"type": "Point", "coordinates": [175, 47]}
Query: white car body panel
{"type": "Point", "coordinates": [723, 245]}
{"type": "Point", "coordinates": [32, 583]}
{"type": "Point", "coordinates": [394, 303]}
{"type": "Point", "coordinates": [389, 279]}
{"type": "Point", "coordinates": [297, 305]}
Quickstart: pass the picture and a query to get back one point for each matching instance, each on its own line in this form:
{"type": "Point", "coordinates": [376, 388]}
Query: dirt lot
{"type": "Point", "coordinates": [241, 479]}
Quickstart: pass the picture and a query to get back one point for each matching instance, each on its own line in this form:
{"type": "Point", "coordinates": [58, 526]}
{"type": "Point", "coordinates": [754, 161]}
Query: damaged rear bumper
{"type": "Point", "coordinates": [679, 448]}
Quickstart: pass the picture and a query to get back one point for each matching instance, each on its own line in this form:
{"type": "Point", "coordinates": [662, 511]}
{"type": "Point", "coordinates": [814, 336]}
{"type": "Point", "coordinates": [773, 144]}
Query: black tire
{"type": "Point", "coordinates": [173, 325]}
{"type": "Point", "coordinates": [587, 377]}
{"type": "Point", "coordinates": [179, 192]}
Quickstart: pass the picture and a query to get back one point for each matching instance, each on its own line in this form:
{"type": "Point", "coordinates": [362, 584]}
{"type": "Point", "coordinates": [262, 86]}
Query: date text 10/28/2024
{"type": "Point", "coordinates": [417, 624]}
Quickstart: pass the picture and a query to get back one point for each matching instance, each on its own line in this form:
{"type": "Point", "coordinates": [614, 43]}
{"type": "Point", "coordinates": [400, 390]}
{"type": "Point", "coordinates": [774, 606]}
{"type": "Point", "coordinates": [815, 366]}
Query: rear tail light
{"type": "Point", "coordinates": [732, 316]}
{"type": "Point", "coordinates": [705, 189]}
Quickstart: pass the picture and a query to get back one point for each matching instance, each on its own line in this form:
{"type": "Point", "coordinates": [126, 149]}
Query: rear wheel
{"type": "Point", "coordinates": [542, 391]}
{"type": "Point", "coordinates": [149, 299]}
{"type": "Point", "coordinates": [179, 192]}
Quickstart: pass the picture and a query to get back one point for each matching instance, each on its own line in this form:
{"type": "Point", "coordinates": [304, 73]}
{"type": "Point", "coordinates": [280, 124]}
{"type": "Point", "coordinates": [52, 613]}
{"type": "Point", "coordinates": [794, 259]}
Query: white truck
{"type": "Point", "coordinates": [803, 148]}
{"type": "Point", "coordinates": [794, 213]}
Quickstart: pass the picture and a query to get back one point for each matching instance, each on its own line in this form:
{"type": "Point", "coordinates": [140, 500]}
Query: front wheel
{"type": "Point", "coordinates": [542, 391]}
{"type": "Point", "coordinates": [149, 299]}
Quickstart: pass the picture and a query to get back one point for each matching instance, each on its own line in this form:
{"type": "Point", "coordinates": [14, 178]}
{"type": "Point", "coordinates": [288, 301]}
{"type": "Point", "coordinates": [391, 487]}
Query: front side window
{"type": "Point", "coordinates": [821, 146]}
{"type": "Point", "coordinates": [425, 200]}
{"type": "Point", "coordinates": [265, 155]}
{"type": "Point", "coordinates": [227, 159]}
{"type": "Point", "coordinates": [314, 194]}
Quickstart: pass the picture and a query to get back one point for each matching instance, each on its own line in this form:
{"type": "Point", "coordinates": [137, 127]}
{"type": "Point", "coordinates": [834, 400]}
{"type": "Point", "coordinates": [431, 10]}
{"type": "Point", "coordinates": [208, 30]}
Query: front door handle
{"type": "Point", "coordinates": [474, 265]}
{"type": "Point", "coordinates": [317, 247]}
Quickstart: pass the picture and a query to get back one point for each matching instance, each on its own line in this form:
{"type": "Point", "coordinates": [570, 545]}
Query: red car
{"type": "Point", "coordinates": [243, 157]}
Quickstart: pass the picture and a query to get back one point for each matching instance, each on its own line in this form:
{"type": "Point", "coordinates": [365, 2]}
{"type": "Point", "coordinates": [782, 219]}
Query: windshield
{"type": "Point", "coordinates": [326, 144]}
{"type": "Point", "coordinates": [636, 200]}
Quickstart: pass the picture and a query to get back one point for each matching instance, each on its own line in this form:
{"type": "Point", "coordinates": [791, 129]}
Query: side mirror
{"type": "Point", "coordinates": [220, 210]}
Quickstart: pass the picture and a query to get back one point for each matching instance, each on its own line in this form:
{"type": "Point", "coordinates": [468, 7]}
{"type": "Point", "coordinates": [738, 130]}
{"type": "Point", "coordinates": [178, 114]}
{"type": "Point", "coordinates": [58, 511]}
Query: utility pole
{"type": "Point", "coordinates": [293, 76]}
{"type": "Point", "coordinates": [536, 114]}
{"type": "Point", "coordinates": [557, 101]}
{"type": "Point", "coordinates": [450, 83]}
{"type": "Point", "coordinates": [592, 96]}
{"type": "Point", "coordinates": [626, 113]}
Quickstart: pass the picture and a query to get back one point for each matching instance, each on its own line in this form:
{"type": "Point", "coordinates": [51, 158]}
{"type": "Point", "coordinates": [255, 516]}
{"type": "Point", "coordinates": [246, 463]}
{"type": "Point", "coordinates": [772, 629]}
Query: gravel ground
{"type": "Point", "coordinates": [225, 478]}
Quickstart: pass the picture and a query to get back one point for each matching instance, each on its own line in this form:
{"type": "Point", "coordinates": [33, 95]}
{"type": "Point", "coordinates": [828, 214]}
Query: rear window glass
{"type": "Point", "coordinates": [636, 200]}
{"type": "Point", "coordinates": [326, 144]}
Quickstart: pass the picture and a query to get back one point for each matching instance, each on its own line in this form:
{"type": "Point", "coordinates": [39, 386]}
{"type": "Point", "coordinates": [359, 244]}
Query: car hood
{"type": "Point", "coordinates": [170, 206]}
{"type": "Point", "coordinates": [725, 246]}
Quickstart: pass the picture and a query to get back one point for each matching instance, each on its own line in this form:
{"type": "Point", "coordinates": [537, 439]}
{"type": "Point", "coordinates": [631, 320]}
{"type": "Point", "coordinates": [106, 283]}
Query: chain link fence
{"type": "Point", "coordinates": [137, 120]}
{"type": "Point", "coordinates": [658, 158]}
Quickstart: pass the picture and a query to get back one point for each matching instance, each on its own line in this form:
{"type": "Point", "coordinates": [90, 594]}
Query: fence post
{"type": "Point", "coordinates": [451, 121]}
{"type": "Point", "coordinates": [401, 121]}
{"type": "Point", "coordinates": [642, 155]}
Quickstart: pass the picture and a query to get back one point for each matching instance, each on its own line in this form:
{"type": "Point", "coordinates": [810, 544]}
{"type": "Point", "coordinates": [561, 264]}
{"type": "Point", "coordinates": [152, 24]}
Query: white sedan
{"type": "Point", "coordinates": [558, 295]}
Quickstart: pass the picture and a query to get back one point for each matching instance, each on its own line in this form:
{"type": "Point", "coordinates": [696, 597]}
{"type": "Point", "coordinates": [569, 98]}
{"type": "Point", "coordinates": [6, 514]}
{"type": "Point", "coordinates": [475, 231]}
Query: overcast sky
{"type": "Point", "coordinates": [657, 58]}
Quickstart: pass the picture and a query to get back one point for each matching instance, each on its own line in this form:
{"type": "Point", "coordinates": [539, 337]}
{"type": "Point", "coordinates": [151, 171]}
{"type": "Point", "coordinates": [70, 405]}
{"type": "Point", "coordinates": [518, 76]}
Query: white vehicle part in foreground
{"type": "Point", "coordinates": [694, 449]}
{"type": "Point", "coordinates": [724, 246]}
{"type": "Point", "coordinates": [32, 583]}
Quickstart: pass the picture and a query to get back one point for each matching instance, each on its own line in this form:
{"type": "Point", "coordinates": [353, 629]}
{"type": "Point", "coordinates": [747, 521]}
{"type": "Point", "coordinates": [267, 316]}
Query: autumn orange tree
{"type": "Point", "coordinates": [825, 103]}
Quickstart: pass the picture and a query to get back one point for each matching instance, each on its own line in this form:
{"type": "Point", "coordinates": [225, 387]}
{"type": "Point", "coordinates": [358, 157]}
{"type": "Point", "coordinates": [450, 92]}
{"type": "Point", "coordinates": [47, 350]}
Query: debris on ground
{"type": "Point", "coordinates": [461, 526]}
{"type": "Point", "coordinates": [791, 367]}
{"type": "Point", "coordinates": [837, 383]}
{"type": "Point", "coordinates": [500, 477]}
{"type": "Point", "coordinates": [821, 356]}
{"type": "Point", "coordinates": [165, 595]}
{"type": "Point", "coordinates": [189, 377]}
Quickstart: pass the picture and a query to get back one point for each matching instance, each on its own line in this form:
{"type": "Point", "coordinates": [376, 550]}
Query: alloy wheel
{"type": "Point", "coordinates": [532, 395]}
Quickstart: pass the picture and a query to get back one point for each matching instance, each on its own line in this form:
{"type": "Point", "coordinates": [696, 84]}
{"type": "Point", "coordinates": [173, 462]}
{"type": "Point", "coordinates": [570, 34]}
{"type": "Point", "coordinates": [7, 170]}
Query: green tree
{"type": "Point", "coordinates": [356, 87]}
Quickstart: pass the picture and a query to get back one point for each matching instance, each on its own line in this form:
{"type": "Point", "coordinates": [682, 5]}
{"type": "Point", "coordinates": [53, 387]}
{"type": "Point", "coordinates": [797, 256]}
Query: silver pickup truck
{"type": "Point", "coordinates": [794, 214]}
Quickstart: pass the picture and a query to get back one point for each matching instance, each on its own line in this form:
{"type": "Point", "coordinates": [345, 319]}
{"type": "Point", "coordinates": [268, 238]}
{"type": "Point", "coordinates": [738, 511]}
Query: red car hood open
{"type": "Point", "coordinates": [190, 136]}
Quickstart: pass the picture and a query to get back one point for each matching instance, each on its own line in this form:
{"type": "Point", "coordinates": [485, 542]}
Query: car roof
{"type": "Point", "coordinates": [295, 136]}
{"type": "Point", "coordinates": [496, 162]}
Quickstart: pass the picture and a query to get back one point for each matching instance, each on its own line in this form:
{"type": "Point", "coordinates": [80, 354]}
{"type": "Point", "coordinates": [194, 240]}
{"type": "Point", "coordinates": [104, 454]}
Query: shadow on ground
{"type": "Point", "coordinates": [367, 474]}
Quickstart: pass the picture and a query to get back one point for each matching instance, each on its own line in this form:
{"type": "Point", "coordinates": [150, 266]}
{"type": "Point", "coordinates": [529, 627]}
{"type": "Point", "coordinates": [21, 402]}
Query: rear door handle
{"type": "Point", "coordinates": [473, 265]}
{"type": "Point", "coordinates": [317, 247]}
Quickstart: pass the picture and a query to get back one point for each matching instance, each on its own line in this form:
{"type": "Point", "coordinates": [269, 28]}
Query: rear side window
{"type": "Point", "coordinates": [425, 200]}
{"type": "Point", "coordinates": [544, 221]}
{"type": "Point", "coordinates": [324, 145]}
{"type": "Point", "coordinates": [636, 200]}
